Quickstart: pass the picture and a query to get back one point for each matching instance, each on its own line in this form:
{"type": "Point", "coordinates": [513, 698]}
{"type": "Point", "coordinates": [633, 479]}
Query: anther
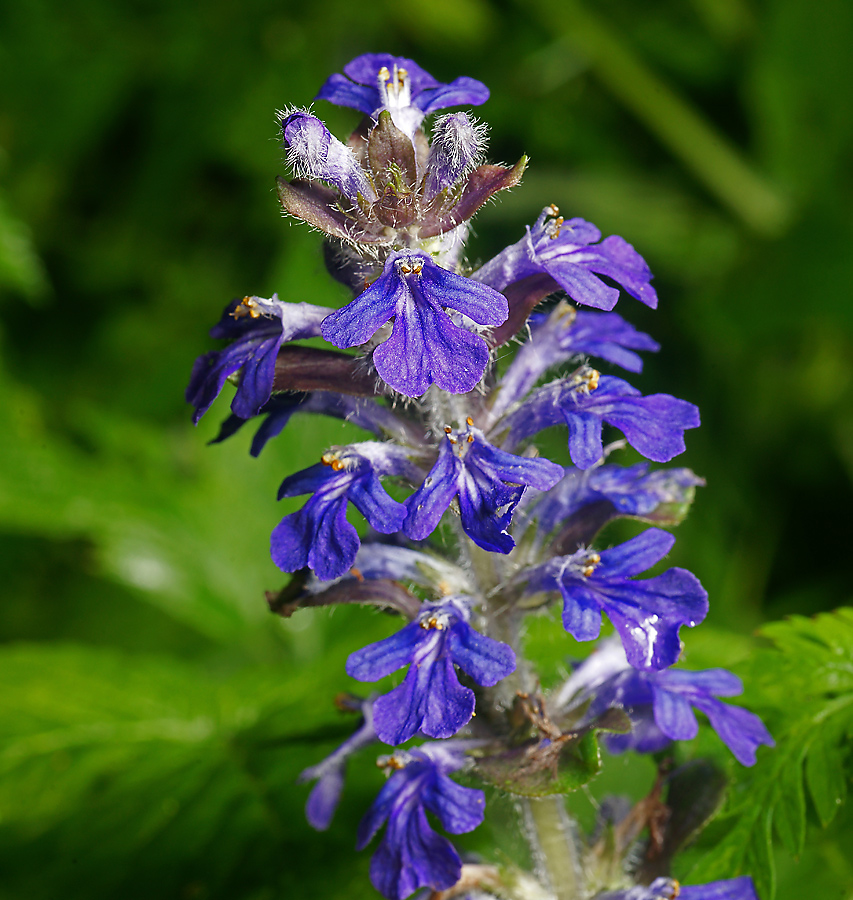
{"type": "Point", "coordinates": [327, 459]}
{"type": "Point", "coordinates": [447, 429]}
{"type": "Point", "coordinates": [469, 420]}
{"type": "Point", "coordinates": [357, 574]}
{"type": "Point", "coordinates": [384, 74]}
{"type": "Point", "coordinates": [337, 465]}
{"type": "Point", "coordinates": [470, 438]}
{"type": "Point", "coordinates": [557, 225]}
{"type": "Point", "coordinates": [555, 210]}
{"type": "Point", "coordinates": [401, 75]}
{"type": "Point", "coordinates": [390, 762]}
{"type": "Point", "coordinates": [247, 307]}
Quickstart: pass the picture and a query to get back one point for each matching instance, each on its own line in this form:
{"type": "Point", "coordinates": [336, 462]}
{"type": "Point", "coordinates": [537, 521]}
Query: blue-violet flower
{"type": "Point", "coordinates": [431, 699]}
{"type": "Point", "coordinates": [425, 346]}
{"type": "Point", "coordinates": [647, 613]}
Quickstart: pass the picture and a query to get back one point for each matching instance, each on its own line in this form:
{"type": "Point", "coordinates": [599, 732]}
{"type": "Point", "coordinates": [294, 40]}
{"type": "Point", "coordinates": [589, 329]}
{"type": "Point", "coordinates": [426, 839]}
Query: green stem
{"type": "Point", "coordinates": [552, 839]}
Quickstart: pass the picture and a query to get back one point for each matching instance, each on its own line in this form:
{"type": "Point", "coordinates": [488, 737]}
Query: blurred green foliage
{"type": "Point", "coordinates": [154, 716]}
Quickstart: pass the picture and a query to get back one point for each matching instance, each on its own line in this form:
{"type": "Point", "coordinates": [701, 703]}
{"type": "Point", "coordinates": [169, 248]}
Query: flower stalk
{"type": "Point", "coordinates": [455, 428]}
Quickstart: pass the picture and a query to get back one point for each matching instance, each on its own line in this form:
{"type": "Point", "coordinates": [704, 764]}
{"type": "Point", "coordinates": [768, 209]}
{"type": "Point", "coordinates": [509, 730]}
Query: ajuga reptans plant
{"type": "Point", "coordinates": [453, 426]}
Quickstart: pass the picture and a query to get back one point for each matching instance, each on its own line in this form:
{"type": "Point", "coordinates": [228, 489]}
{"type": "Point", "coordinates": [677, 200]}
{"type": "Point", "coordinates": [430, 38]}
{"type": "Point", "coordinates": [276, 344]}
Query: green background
{"type": "Point", "coordinates": [153, 715]}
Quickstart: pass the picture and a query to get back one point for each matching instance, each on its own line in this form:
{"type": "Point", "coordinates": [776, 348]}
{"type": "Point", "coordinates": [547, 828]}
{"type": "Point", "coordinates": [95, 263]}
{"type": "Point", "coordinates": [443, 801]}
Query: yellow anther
{"type": "Point", "coordinates": [417, 267]}
{"type": "Point", "coordinates": [357, 574]}
{"type": "Point", "coordinates": [405, 268]}
{"type": "Point", "coordinates": [337, 465]}
{"type": "Point", "coordinates": [469, 420]}
{"type": "Point", "coordinates": [592, 560]}
{"type": "Point", "coordinates": [557, 225]}
{"type": "Point", "coordinates": [401, 74]}
{"type": "Point", "coordinates": [555, 210]}
{"type": "Point", "coordinates": [384, 74]}
{"type": "Point", "coordinates": [390, 762]}
{"type": "Point", "coordinates": [248, 306]}
{"type": "Point", "coordinates": [447, 429]}
{"type": "Point", "coordinates": [327, 459]}
{"type": "Point", "coordinates": [470, 438]}
{"type": "Point", "coordinates": [592, 379]}
{"type": "Point", "coordinates": [451, 439]}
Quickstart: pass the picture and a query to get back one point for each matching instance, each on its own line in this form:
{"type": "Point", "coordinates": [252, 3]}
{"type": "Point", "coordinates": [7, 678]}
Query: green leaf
{"type": "Point", "coordinates": [826, 781]}
{"type": "Point", "coordinates": [127, 776]}
{"type": "Point", "coordinates": [558, 765]}
{"type": "Point", "coordinates": [810, 660]}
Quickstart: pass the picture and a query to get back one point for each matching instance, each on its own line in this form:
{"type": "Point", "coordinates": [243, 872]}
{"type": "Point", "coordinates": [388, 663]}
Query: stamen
{"type": "Point", "coordinates": [469, 420]}
{"type": "Point", "coordinates": [556, 225]}
{"type": "Point", "coordinates": [357, 574]}
{"type": "Point", "coordinates": [436, 623]}
{"type": "Point", "coordinates": [586, 379]}
{"type": "Point", "coordinates": [447, 429]}
{"type": "Point", "coordinates": [592, 560]}
{"type": "Point", "coordinates": [393, 761]}
{"type": "Point", "coordinates": [470, 438]}
{"type": "Point", "coordinates": [248, 307]}
{"type": "Point", "coordinates": [384, 74]}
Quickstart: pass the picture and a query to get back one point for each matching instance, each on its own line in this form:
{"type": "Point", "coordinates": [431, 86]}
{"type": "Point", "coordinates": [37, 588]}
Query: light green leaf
{"type": "Point", "coordinates": [810, 660]}
{"type": "Point", "coordinates": [135, 777]}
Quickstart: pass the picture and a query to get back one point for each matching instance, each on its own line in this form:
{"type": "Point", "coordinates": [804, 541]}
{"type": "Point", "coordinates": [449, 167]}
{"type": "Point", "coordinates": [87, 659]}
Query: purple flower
{"type": "Point", "coordinates": [411, 855]}
{"type": "Point", "coordinates": [566, 334]}
{"type": "Point", "coordinates": [647, 614]}
{"type": "Point", "coordinates": [380, 560]}
{"type": "Point", "coordinates": [257, 328]}
{"type": "Point", "coordinates": [653, 425]}
{"type": "Point", "coordinates": [669, 889]}
{"type": "Point", "coordinates": [378, 81]}
{"type": "Point", "coordinates": [488, 482]}
{"type": "Point", "coordinates": [361, 411]}
{"type": "Point", "coordinates": [314, 153]}
{"type": "Point", "coordinates": [659, 704]}
{"type": "Point", "coordinates": [564, 252]}
{"type": "Point", "coordinates": [425, 346]}
{"type": "Point", "coordinates": [630, 490]}
{"type": "Point", "coordinates": [329, 774]}
{"type": "Point", "coordinates": [431, 699]}
{"type": "Point", "coordinates": [319, 535]}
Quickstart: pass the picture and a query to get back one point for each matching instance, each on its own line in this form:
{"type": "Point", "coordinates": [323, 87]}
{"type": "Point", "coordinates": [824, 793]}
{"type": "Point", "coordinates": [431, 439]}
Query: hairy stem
{"type": "Point", "coordinates": [551, 834]}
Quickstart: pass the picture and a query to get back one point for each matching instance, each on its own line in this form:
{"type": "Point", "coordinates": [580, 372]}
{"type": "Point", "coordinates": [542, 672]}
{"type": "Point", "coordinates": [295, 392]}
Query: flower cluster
{"type": "Point", "coordinates": [450, 452]}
